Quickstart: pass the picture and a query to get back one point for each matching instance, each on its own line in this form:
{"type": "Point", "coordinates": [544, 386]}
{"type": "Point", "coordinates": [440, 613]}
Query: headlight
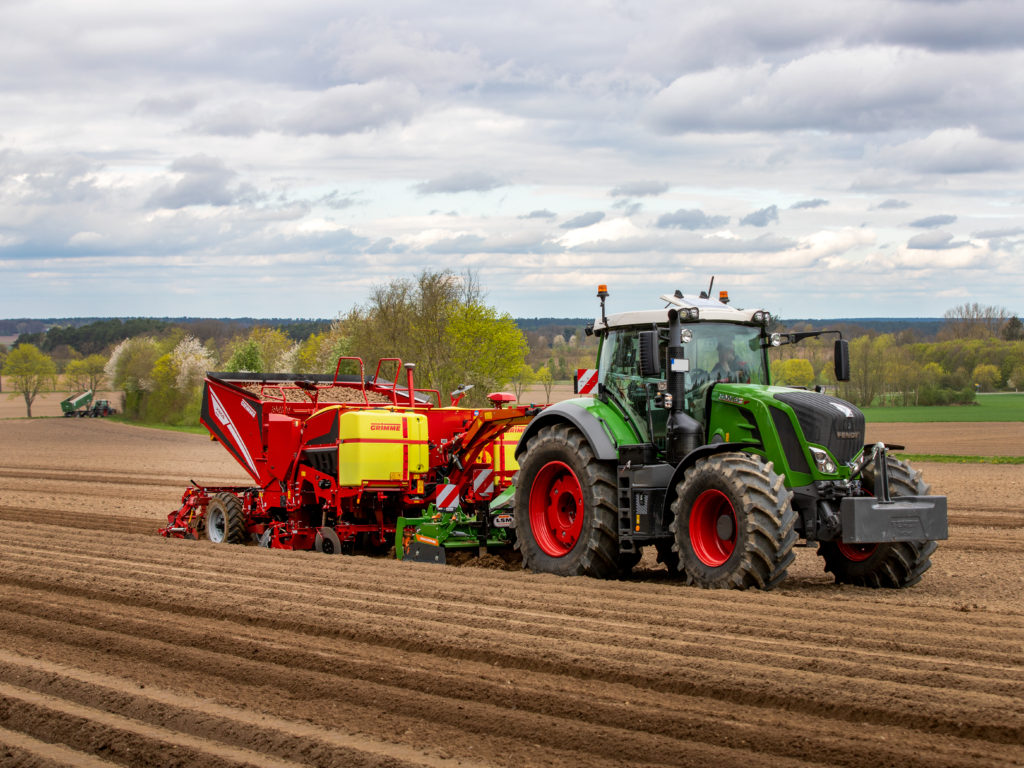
{"type": "Point", "coordinates": [824, 463]}
{"type": "Point", "coordinates": [761, 317]}
{"type": "Point", "coordinates": [776, 339]}
{"type": "Point", "coordinates": [686, 336]}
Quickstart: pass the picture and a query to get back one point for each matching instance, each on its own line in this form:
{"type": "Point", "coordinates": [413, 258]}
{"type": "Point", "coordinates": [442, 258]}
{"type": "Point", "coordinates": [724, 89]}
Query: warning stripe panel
{"type": "Point", "coordinates": [586, 380]}
{"type": "Point", "coordinates": [447, 497]}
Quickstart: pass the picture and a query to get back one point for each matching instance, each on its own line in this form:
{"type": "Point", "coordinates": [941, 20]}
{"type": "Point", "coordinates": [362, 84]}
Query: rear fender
{"type": "Point", "coordinates": [568, 412]}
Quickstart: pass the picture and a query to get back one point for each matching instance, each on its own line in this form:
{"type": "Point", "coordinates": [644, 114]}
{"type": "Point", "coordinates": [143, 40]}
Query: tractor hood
{"type": "Point", "coordinates": [828, 421]}
{"type": "Point", "coordinates": [824, 420]}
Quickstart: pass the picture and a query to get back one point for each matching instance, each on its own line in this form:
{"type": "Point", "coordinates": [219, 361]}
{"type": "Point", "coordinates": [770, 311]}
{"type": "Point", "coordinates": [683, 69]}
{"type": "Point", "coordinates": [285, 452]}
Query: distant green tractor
{"type": "Point", "coordinates": [688, 448]}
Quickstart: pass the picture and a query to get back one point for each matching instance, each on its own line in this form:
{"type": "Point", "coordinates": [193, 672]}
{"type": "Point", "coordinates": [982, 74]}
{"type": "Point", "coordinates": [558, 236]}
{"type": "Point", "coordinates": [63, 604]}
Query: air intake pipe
{"type": "Point", "coordinates": [682, 431]}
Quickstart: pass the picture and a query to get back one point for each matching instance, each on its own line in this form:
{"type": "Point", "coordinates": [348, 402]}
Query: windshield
{"type": "Point", "coordinates": [724, 352]}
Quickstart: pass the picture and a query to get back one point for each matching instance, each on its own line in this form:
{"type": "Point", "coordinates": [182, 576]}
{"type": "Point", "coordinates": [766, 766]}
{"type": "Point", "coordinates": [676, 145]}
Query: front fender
{"type": "Point", "coordinates": [692, 458]}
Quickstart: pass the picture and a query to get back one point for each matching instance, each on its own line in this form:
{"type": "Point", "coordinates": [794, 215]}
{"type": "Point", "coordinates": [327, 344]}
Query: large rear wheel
{"type": "Point", "coordinates": [565, 507]}
{"type": "Point", "coordinates": [733, 523]}
{"type": "Point", "coordinates": [894, 565]}
{"type": "Point", "coordinates": [225, 521]}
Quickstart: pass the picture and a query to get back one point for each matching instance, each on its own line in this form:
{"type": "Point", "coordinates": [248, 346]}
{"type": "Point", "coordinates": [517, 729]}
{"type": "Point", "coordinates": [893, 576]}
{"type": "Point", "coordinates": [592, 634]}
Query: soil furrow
{"type": "Point", "coordinates": [721, 723]}
{"type": "Point", "coordinates": [996, 635]}
{"type": "Point", "coordinates": [23, 751]}
{"type": "Point", "coordinates": [288, 655]}
{"type": "Point", "coordinates": [657, 671]}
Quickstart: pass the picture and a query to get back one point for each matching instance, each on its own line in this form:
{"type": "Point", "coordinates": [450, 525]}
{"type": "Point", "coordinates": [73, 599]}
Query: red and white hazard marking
{"type": "Point", "coordinates": [483, 482]}
{"type": "Point", "coordinates": [447, 497]}
{"type": "Point", "coordinates": [586, 380]}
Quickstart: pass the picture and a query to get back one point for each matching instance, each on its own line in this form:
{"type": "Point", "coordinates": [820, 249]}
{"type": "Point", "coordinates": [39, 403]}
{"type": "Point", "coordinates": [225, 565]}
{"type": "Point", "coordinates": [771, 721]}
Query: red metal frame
{"type": "Point", "coordinates": [277, 442]}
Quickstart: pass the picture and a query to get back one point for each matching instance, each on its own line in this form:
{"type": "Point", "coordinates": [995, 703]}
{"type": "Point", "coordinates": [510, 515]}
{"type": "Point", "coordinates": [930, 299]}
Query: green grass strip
{"type": "Point", "coordinates": [194, 429]}
{"type": "Point", "coordinates": [989, 407]}
{"type": "Point", "coordinates": [943, 458]}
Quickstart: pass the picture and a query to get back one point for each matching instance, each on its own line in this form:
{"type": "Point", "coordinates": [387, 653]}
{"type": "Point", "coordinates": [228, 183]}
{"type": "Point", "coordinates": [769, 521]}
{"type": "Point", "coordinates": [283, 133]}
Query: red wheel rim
{"type": "Point", "coordinates": [711, 517]}
{"type": "Point", "coordinates": [556, 509]}
{"type": "Point", "coordinates": [856, 553]}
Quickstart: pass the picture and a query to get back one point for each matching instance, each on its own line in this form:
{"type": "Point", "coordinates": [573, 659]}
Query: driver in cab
{"type": "Point", "coordinates": [726, 365]}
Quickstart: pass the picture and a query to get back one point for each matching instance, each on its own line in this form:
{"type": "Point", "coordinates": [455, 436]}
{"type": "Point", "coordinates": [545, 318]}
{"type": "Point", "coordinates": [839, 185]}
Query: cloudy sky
{"type": "Point", "coordinates": [821, 159]}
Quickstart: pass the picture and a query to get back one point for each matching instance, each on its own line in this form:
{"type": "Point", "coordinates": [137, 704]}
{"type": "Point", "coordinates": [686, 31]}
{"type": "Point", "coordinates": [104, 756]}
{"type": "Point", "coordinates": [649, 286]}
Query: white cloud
{"type": "Point", "coordinates": [300, 149]}
{"type": "Point", "coordinates": [859, 89]}
{"type": "Point", "coordinates": [353, 108]}
{"type": "Point", "coordinates": [954, 150]}
{"type": "Point", "coordinates": [961, 256]}
{"type": "Point", "coordinates": [85, 238]}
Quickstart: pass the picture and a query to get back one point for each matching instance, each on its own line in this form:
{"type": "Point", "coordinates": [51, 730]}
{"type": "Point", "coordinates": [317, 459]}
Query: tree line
{"type": "Point", "coordinates": [441, 322]}
{"type": "Point", "coordinates": [437, 320]}
{"type": "Point", "coordinates": [978, 349]}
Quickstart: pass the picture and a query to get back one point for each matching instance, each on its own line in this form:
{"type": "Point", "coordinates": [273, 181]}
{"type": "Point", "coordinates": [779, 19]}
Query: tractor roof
{"type": "Point", "coordinates": [709, 309]}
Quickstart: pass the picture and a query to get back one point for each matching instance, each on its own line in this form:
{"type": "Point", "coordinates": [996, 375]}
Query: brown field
{"type": "Point", "coordinates": [118, 647]}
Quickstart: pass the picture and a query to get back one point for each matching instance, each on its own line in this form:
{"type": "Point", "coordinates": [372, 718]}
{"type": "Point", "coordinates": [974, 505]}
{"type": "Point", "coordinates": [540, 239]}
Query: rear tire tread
{"type": "Point", "coordinates": [234, 518]}
{"type": "Point", "coordinates": [600, 557]}
{"type": "Point", "coordinates": [892, 566]}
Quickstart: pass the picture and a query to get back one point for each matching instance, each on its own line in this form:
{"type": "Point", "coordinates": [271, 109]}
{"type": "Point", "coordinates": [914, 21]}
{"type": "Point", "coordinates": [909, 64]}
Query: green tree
{"type": "Point", "coordinates": [87, 373]}
{"type": "Point", "coordinates": [486, 350]}
{"type": "Point", "coordinates": [1016, 378]}
{"type": "Point", "coordinates": [130, 369]}
{"type": "Point", "coordinates": [307, 359]}
{"type": "Point", "coordinates": [29, 370]}
{"type": "Point", "coordinates": [1013, 330]}
{"type": "Point", "coordinates": [868, 371]}
{"type": "Point", "coordinates": [273, 345]}
{"type": "Point", "coordinates": [246, 357]}
{"type": "Point", "coordinates": [439, 322]}
{"type": "Point", "coordinates": [263, 350]}
{"type": "Point", "coordinates": [543, 376]}
{"type": "Point", "coordinates": [985, 377]}
{"type": "Point", "coordinates": [164, 401]}
{"type": "Point", "coordinates": [795, 372]}
{"type": "Point", "coordinates": [521, 379]}
{"type": "Point", "coordinates": [320, 352]}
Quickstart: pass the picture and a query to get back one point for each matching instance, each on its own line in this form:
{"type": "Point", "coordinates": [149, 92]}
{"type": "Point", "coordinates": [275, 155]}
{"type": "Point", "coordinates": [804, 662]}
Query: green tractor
{"type": "Point", "coordinates": [688, 448]}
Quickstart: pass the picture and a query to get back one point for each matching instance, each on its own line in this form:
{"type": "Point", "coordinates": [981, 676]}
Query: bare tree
{"type": "Point", "coordinates": [974, 321]}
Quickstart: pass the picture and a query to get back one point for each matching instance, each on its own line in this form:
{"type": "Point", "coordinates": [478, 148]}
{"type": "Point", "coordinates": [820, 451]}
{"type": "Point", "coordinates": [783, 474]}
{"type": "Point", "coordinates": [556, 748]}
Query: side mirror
{"type": "Point", "coordinates": [650, 363]}
{"type": "Point", "coordinates": [842, 360]}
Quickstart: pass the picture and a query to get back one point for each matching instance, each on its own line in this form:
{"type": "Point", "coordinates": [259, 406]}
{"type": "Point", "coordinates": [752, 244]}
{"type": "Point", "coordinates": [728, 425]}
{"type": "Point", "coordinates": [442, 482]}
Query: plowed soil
{"type": "Point", "coordinates": [119, 647]}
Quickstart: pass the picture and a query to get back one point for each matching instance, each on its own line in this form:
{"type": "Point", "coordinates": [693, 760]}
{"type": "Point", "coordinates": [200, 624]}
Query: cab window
{"type": "Point", "coordinates": [620, 375]}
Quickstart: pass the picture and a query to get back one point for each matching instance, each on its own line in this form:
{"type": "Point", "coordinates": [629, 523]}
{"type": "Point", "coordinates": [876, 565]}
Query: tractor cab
{"type": "Point", "coordinates": [714, 343]}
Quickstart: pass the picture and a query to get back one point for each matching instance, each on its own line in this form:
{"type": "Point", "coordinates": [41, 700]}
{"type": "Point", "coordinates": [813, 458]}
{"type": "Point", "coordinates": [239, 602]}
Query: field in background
{"type": "Point", "coordinates": [990, 407]}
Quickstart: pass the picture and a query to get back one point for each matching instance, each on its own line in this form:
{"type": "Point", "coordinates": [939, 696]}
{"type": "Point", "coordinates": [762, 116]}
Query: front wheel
{"type": "Point", "coordinates": [565, 506]}
{"type": "Point", "coordinates": [733, 523]}
{"type": "Point", "coordinates": [895, 565]}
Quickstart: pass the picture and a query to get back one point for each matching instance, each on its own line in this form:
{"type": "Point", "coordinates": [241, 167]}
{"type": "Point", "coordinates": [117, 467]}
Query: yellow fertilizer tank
{"type": "Point", "coordinates": [379, 447]}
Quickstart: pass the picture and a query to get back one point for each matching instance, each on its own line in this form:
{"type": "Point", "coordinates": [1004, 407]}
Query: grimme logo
{"type": "Point", "coordinates": [380, 426]}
